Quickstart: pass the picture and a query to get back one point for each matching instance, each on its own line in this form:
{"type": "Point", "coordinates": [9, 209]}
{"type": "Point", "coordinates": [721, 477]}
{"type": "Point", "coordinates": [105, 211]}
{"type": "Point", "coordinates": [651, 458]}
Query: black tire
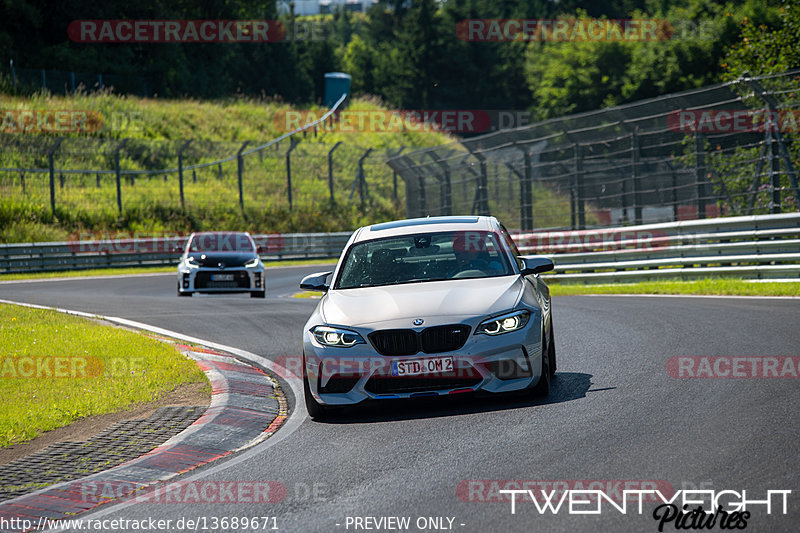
{"type": "Point", "coordinates": [551, 350]}
{"type": "Point", "coordinates": [542, 388]}
{"type": "Point", "coordinates": [316, 410]}
{"type": "Point", "coordinates": [261, 294]}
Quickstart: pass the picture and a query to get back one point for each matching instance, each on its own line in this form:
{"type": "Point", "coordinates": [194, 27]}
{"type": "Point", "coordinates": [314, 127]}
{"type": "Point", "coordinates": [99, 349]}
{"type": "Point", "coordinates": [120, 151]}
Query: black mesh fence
{"type": "Point", "coordinates": [721, 150]}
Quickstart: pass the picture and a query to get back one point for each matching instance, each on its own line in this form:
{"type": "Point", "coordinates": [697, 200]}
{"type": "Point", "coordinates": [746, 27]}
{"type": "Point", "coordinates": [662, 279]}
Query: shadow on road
{"type": "Point", "coordinates": [566, 386]}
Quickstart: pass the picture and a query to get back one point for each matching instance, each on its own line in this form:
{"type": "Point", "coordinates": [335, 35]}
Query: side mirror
{"type": "Point", "coordinates": [534, 264]}
{"type": "Point", "coordinates": [316, 282]}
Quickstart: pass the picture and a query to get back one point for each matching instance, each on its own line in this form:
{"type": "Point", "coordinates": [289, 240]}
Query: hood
{"type": "Point", "coordinates": [212, 259]}
{"type": "Point", "coordinates": [452, 298]}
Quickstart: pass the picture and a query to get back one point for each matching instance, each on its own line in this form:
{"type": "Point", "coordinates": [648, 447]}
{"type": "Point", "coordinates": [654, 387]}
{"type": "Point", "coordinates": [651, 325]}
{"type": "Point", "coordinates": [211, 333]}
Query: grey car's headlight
{"type": "Point", "coordinates": [504, 323]}
{"type": "Point", "coordinates": [192, 262]}
{"type": "Point", "coordinates": [328, 336]}
{"type": "Point", "coordinates": [252, 263]}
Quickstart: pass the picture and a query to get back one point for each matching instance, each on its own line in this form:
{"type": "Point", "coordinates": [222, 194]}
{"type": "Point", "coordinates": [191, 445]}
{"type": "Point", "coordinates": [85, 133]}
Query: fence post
{"type": "Point", "coordinates": [580, 206]}
{"type": "Point", "coordinates": [50, 158]}
{"type": "Point", "coordinates": [774, 175]}
{"type": "Point", "coordinates": [219, 173]}
{"type": "Point", "coordinates": [330, 171]}
{"type": "Point", "coordinates": [22, 181]}
{"type": "Point", "coordinates": [117, 172]}
{"type": "Point", "coordinates": [446, 192]}
{"type": "Point", "coordinates": [635, 176]}
{"type": "Point", "coordinates": [44, 80]}
{"type": "Point", "coordinates": [13, 75]}
{"type": "Point", "coordinates": [699, 175]}
{"type": "Point", "coordinates": [239, 172]}
{"type": "Point", "coordinates": [394, 175]}
{"type": "Point", "coordinates": [362, 180]}
{"type": "Point", "coordinates": [180, 171]}
{"type": "Point", "coordinates": [481, 202]}
{"type": "Point", "coordinates": [423, 199]}
{"type": "Point", "coordinates": [674, 192]}
{"type": "Point", "coordinates": [289, 169]}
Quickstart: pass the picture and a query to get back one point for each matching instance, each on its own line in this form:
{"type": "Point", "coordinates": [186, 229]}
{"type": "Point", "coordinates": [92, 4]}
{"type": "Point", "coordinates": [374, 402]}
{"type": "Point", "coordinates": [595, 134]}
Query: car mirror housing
{"type": "Point", "coordinates": [316, 282]}
{"type": "Point", "coordinates": [534, 264]}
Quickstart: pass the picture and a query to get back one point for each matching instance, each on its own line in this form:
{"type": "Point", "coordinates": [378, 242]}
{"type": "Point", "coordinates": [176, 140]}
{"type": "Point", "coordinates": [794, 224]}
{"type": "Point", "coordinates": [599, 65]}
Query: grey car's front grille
{"type": "Point", "coordinates": [240, 280]}
{"type": "Point", "coordinates": [435, 339]}
{"type": "Point", "coordinates": [440, 339]}
{"type": "Point", "coordinates": [395, 341]}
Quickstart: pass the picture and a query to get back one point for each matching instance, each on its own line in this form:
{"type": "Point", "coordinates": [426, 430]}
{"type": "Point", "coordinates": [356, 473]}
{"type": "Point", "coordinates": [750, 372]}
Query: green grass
{"type": "Point", "coordinates": [733, 287]}
{"type": "Point", "coordinates": [156, 128]}
{"type": "Point", "coordinates": [56, 368]}
{"type": "Point", "coordinates": [143, 270]}
{"type": "Point", "coordinates": [308, 294]}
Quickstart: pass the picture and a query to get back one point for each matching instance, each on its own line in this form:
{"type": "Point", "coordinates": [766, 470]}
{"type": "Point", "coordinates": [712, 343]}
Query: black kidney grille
{"type": "Point", "coordinates": [437, 339]}
{"type": "Point", "coordinates": [395, 341]}
{"type": "Point", "coordinates": [440, 339]}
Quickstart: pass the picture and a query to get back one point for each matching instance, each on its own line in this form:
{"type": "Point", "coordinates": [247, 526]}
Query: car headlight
{"type": "Point", "coordinates": [328, 336]}
{"type": "Point", "coordinates": [504, 323]}
{"type": "Point", "coordinates": [192, 262]}
{"type": "Point", "coordinates": [252, 263]}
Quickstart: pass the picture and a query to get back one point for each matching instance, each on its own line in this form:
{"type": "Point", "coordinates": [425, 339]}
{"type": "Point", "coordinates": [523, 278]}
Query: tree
{"type": "Point", "coordinates": [767, 46]}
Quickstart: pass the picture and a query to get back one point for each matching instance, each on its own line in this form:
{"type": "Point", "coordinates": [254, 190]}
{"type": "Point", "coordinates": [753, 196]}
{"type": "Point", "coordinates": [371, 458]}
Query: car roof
{"type": "Point", "coordinates": [425, 225]}
{"type": "Point", "coordinates": [220, 233]}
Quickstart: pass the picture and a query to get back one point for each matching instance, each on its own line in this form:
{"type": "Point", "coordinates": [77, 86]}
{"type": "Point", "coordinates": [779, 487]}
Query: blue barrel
{"type": "Point", "coordinates": [336, 84]}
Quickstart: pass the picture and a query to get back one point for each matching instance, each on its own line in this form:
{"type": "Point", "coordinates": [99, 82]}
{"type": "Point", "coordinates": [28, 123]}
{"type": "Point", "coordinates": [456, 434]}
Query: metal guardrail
{"type": "Point", "coordinates": [762, 246]}
{"type": "Point", "coordinates": [131, 252]}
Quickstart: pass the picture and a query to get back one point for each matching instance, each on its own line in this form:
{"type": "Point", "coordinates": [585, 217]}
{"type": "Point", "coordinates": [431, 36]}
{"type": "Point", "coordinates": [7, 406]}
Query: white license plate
{"type": "Point", "coordinates": [415, 367]}
{"type": "Point", "coordinates": [221, 277]}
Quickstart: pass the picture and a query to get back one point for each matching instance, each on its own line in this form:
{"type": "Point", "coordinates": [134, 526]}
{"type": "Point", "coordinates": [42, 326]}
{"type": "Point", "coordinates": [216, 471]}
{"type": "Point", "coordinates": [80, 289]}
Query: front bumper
{"type": "Point", "coordinates": [201, 280]}
{"type": "Point", "coordinates": [345, 376]}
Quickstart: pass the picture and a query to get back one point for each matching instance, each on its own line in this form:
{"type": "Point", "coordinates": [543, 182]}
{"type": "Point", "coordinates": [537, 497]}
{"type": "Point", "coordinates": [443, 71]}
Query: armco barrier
{"type": "Point", "coordinates": [128, 252]}
{"type": "Point", "coordinates": [761, 247]}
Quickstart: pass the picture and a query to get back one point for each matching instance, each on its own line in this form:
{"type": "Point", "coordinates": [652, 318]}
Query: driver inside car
{"type": "Point", "coordinates": [472, 254]}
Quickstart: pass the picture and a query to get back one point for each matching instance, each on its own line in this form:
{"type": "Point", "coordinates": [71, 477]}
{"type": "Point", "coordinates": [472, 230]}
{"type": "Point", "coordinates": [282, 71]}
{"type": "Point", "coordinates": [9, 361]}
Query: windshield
{"type": "Point", "coordinates": [424, 257]}
{"type": "Point", "coordinates": [221, 242]}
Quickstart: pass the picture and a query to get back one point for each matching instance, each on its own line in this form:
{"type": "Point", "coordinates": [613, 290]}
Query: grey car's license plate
{"type": "Point", "coordinates": [221, 277]}
{"type": "Point", "coordinates": [415, 367]}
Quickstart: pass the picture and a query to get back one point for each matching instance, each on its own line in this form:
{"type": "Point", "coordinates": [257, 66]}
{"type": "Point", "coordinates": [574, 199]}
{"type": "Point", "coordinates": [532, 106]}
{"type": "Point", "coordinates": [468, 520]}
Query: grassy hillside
{"type": "Point", "coordinates": [156, 129]}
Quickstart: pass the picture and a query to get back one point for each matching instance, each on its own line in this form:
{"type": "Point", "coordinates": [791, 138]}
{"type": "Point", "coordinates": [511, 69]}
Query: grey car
{"type": "Point", "coordinates": [221, 262]}
{"type": "Point", "coordinates": [428, 307]}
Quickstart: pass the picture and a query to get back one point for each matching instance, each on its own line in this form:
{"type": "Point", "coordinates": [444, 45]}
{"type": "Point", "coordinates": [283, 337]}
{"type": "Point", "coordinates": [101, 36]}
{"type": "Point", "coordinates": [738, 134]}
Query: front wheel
{"type": "Point", "coordinates": [316, 410]}
{"type": "Point", "coordinates": [542, 388]}
{"type": "Point", "coordinates": [551, 351]}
